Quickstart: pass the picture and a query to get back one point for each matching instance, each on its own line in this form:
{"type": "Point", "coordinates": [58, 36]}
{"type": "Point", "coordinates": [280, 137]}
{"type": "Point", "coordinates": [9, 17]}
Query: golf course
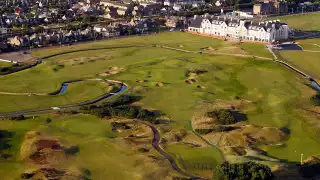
{"type": "Point", "coordinates": [174, 73]}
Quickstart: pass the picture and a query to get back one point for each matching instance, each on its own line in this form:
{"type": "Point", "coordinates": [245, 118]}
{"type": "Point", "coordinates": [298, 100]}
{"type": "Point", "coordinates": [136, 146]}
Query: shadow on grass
{"type": "Point", "coordinates": [239, 116]}
{"type": "Point", "coordinates": [72, 150]}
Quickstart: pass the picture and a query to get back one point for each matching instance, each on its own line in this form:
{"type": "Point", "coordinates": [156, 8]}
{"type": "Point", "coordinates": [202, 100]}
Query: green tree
{"type": "Point", "coordinates": [224, 116]}
{"type": "Point", "coordinates": [243, 171]}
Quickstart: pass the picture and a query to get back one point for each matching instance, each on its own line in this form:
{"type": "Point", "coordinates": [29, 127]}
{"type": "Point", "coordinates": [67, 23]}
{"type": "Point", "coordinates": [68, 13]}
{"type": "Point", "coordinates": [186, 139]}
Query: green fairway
{"type": "Point", "coordinates": [76, 92]}
{"type": "Point", "coordinates": [308, 21]}
{"type": "Point", "coordinates": [307, 61]}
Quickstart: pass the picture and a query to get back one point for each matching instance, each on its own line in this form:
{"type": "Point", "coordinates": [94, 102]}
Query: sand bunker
{"type": "Point", "coordinates": [200, 87]}
{"type": "Point", "coordinates": [159, 84]}
{"type": "Point", "coordinates": [112, 70]}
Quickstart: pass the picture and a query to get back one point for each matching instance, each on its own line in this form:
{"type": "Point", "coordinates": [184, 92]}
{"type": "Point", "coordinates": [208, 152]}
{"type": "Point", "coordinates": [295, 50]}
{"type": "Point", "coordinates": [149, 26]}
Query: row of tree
{"type": "Point", "coordinates": [243, 171]}
{"type": "Point", "coordinates": [224, 116]}
{"type": "Point", "coordinates": [121, 108]}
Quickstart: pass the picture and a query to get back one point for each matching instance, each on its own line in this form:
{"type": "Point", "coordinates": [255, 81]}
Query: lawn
{"type": "Point", "coordinates": [308, 21]}
{"type": "Point", "coordinates": [159, 77]}
{"type": "Point", "coordinates": [76, 92]}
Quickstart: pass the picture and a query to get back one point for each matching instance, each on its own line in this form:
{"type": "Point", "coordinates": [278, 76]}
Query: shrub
{"type": "Point", "coordinates": [17, 118]}
{"type": "Point", "coordinates": [144, 114]}
{"type": "Point", "coordinates": [224, 116]}
{"type": "Point", "coordinates": [124, 111]}
{"type": "Point", "coordinates": [142, 150]}
{"type": "Point", "coordinates": [203, 131]}
{"type": "Point", "coordinates": [35, 154]}
{"type": "Point", "coordinates": [247, 170]}
{"type": "Point", "coordinates": [26, 175]}
{"type": "Point", "coordinates": [48, 120]}
{"type": "Point", "coordinates": [124, 100]}
{"type": "Point", "coordinates": [315, 99]}
{"type": "Point", "coordinates": [215, 129]}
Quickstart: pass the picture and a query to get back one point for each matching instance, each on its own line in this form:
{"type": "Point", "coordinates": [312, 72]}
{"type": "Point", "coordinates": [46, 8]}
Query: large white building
{"type": "Point", "coordinates": [231, 27]}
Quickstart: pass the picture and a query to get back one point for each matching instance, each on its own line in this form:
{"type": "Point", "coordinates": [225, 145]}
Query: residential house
{"type": "Point", "coordinates": [112, 15]}
{"type": "Point", "coordinates": [242, 29]}
{"type": "Point", "coordinates": [169, 2]}
{"type": "Point", "coordinates": [111, 32]}
{"type": "Point", "coordinates": [16, 41]}
{"type": "Point", "coordinates": [270, 7]}
{"type": "Point", "coordinates": [194, 3]}
{"type": "Point", "coordinates": [174, 21]}
{"type": "Point", "coordinates": [177, 7]}
{"type": "Point", "coordinates": [123, 11]}
{"type": "Point", "coordinates": [99, 28]}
